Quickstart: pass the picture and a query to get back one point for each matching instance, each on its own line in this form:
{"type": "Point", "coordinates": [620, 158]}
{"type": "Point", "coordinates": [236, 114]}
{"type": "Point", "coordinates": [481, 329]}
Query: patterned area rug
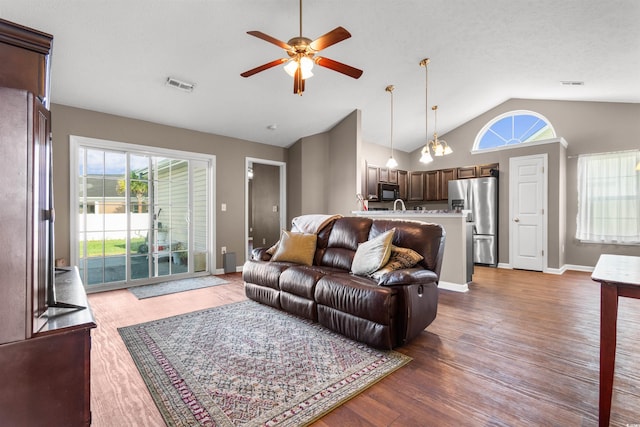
{"type": "Point", "coordinates": [165, 288]}
{"type": "Point", "coordinates": [247, 364]}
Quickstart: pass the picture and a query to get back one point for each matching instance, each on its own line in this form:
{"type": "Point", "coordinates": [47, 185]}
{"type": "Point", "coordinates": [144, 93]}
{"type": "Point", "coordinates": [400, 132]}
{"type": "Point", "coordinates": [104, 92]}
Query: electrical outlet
{"type": "Point", "coordinates": [223, 207]}
{"type": "Point", "coordinates": [264, 241]}
{"type": "Point", "coordinates": [275, 208]}
{"type": "Point", "coordinates": [223, 250]}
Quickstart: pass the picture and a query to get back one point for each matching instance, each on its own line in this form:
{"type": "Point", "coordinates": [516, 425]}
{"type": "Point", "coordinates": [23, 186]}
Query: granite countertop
{"type": "Point", "coordinates": [413, 213]}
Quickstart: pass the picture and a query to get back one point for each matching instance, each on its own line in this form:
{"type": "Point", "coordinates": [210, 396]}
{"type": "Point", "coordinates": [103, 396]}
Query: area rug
{"type": "Point", "coordinates": [247, 364]}
{"type": "Point", "coordinates": [165, 288]}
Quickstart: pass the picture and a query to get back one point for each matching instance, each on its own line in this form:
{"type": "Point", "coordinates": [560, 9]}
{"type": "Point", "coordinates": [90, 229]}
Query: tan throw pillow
{"type": "Point", "coordinates": [296, 247]}
{"type": "Point", "coordinates": [372, 254]}
{"type": "Point", "coordinates": [400, 258]}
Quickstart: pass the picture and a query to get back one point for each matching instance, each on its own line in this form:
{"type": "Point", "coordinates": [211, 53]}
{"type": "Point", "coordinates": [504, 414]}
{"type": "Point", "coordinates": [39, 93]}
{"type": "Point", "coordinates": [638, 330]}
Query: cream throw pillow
{"type": "Point", "coordinates": [372, 254]}
{"type": "Point", "coordinates": [400, 258]}
{"type": "Point", "coordinates": [296, 247]}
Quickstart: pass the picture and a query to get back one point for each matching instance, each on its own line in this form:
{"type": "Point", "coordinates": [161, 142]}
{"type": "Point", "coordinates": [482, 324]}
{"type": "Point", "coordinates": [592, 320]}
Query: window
{"type": "Point", "coordinates": [142, 213]}
{"type": "Point", "coordinates": [513, 128]}
{"type": "Point", "coordinates": [609, 198]}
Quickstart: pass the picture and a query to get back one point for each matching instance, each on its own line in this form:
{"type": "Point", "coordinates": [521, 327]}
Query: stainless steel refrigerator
{"type": "Point", "coordinates": [480, 196]}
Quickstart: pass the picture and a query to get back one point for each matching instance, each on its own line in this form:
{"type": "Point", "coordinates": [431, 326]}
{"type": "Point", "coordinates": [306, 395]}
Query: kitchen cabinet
{"type": "Point", "coordinates": [446, 175]}
{"type": "Point", "coordinates": [403, 184]}
{"type": "Point", "coordinates": [416, 186]}
{"type": "Point", "coordinates": [477, 171]}
{"type": "Point", "coordinates": [432, 185]}
{"type": "Point", "coordinates": [373, 173]}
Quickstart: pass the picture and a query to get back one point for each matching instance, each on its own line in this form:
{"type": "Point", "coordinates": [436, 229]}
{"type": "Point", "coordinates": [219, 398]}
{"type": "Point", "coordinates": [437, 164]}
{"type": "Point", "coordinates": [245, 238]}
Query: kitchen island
{"type": "Point", "coordinates": [457, 262]}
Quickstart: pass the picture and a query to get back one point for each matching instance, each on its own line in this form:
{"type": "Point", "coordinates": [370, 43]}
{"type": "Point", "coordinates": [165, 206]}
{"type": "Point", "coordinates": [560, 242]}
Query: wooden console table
{"type": "Point", "coordinates": [619, 276]}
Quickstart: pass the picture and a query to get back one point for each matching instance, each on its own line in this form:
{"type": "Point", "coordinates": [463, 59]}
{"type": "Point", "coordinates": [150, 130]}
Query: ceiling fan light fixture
{"type": "Point", "coordinates": [305, 64]}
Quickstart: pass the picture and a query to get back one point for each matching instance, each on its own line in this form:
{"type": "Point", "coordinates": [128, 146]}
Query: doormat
{"type": "Point", "coordinates": [171, 287]}
{"type": "Point", "coordinates": [247, 364]}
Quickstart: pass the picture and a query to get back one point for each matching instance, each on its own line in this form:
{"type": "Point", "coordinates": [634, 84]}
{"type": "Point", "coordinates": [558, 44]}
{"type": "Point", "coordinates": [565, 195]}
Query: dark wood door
{"type": "Point", "coordinates": [432, 185]}
{"type": "Point", "coordinates": [446, 175]}
{"type": "Point", "coordinates": [416, 186]}
{"type": "Point", "coordinates": [403, 184]}
{"type": "Point", "coordinates": [373, 174]}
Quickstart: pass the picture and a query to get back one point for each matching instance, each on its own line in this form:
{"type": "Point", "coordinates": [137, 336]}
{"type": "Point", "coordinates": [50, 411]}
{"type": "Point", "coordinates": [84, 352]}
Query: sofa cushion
{"type": "Point", "coordinates": [372, 254]}
{"type": "Point", "coordinates": [357, 295]}
{"type": "Point", "coordinates": [296, 247]}
{"type": "Point", "coordinates": [400, 258]}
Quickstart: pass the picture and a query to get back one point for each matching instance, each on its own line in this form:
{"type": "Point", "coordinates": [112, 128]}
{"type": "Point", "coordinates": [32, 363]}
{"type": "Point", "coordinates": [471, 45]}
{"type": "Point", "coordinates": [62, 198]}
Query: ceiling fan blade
{"type": "Point", "coordinates": [332, 37]}
{"type": "Point", "coordinates": [268, 38]}
{"type": "Point", "coordinates": [298, 83]}
{"type": "Point", "coordinates": [263, 67]}
{"type": "Point", "coordinates": [338, 66]}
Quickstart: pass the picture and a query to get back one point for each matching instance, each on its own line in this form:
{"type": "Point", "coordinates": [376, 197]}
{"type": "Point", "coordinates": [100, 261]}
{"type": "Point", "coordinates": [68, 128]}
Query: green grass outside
{"type": "Point", "coordinates": [112, 247]}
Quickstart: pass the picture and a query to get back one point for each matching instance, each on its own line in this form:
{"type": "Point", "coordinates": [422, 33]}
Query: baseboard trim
{"type": "Point", "coordinates": [585, 268]}
{"type": "Point", "coordinates": [455, 287]}
{"type": "Point", "coordinates": [505, 265]}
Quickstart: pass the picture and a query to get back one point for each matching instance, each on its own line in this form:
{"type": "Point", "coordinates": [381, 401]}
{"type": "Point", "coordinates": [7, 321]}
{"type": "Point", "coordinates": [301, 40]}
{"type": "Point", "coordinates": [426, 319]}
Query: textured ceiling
{"type": "Point", "coordinates": [114, 56]}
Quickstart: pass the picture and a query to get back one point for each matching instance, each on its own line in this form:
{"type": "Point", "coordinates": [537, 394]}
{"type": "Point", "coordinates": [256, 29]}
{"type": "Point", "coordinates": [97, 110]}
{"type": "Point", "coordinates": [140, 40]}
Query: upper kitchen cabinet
{"type": "Point", "coordinates": [416, 186]}
{"type": "Point", "coordinates": [403, 184]}
{"type": "Point", "coordinates": [477, 171]}
{"type": "Point", "coordinates": [25, 61]}
{"type": "Point", "coordinates": [432, 185]}
{"type": "Point", "coordinates": [446, 175]}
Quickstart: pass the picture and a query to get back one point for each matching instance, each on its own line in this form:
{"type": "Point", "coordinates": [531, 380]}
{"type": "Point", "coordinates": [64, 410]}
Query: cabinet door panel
{"type": "Point", "coordinates": [466, 172]}
{"type": "Point", "coordinates": [372, 182]}
{"type": "Point", "coordinates": [485, 170]}
{"type": "Point", "coordinates": [416, 186]}
{"type": "Point", "coordinates": [403, 183]}
{"type": "Point", "coordinates": [446, 175]}
{"type": "Point", "coordinates": [432, 185]}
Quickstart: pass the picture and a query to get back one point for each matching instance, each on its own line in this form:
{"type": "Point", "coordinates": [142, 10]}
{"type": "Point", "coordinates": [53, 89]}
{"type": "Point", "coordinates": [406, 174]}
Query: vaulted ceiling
{"type": "Point", "coordinates": [114, 56]}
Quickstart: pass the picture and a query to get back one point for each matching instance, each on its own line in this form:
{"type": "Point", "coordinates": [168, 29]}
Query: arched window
{"type": "Point", "coordinates": [512, 128]}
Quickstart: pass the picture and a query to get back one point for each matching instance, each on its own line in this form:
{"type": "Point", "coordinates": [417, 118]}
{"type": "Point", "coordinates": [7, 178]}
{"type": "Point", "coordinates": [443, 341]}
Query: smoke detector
{"type": "Point", "coordinates": [178, 84]}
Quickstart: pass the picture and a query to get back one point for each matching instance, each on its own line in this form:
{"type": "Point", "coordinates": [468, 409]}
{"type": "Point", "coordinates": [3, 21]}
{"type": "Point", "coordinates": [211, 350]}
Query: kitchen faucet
{"type": "Point", "coordinates": [404, 208]}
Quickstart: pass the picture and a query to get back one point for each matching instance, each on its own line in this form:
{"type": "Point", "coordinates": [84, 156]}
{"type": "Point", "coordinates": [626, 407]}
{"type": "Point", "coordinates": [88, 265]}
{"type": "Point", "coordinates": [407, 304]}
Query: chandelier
{"type": "Point", "coordinates": [438, 146]}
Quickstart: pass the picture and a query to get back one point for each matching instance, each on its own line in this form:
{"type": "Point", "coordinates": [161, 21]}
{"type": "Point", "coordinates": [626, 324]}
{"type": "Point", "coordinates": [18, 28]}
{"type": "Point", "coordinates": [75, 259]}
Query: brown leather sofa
{"type": "Point", "coordinates": [384, 313]}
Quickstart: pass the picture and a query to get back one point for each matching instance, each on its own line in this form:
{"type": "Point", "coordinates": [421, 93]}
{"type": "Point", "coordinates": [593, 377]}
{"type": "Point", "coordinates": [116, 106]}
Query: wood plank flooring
{"type": "Point", "coordinates": [519, 349]}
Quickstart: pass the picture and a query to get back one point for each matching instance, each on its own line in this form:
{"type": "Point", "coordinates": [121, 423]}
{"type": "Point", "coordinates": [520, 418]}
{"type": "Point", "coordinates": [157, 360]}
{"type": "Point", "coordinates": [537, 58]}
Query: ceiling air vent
{"type": "Point", "coordinates": [184, 86]}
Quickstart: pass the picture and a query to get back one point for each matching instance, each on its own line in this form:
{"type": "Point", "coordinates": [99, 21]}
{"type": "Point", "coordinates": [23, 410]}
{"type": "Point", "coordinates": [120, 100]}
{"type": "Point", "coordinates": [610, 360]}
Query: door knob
{"type": "Point", "coordinates": [516, 219]}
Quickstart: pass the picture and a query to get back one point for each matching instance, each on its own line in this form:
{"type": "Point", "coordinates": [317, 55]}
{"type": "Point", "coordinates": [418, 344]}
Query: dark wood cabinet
{"type": "Point", "coordinates": [44, 353]}
{"type": "Point", "coordinates": [403, 183]}
{"type": "Point", "coordinates": [432, 185]}
{"type": "Point", "coordinates": [446, 175]}
{"type": "Point", "coordinates": [373, 173]}
{"type": "Point", "coordinates": [477, 171]}
{"type": "Point", "coordinates": [416, 186]}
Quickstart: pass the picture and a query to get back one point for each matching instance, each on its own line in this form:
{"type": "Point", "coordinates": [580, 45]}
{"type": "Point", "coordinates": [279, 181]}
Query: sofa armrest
{"type": "Point", "coordinates": [260, 254]}
{"type": "Point", "coordinates": [408, 276]}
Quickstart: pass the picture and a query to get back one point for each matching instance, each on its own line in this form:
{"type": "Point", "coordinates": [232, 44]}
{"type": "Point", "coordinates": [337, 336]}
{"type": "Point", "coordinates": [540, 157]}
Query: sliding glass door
{"type": "Point", "coordinates": [142, 217]}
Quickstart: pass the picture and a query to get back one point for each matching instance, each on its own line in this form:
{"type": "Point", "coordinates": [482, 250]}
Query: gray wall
{"type": "Point", "coordinates": [323, 172]}
{"type": "Point", "coordinates": [230, 166]}
{"type": "Point", "coordinates": [588, 127]}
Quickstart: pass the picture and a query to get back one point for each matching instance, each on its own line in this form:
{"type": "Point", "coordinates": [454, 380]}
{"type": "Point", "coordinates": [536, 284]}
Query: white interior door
{"type": "Point", "coordinates": [527, 212]}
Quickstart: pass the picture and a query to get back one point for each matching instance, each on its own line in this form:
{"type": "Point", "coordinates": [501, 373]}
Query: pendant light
{"type": "Point", "coordinates": [439, 147]}
{"type": "Point", "coordinates": [391, 163]}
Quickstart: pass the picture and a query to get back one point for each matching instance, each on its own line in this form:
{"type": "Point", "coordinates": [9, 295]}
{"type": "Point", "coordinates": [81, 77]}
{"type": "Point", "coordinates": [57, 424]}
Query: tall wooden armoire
{"type": "Point", "coordinates": [44, 350]}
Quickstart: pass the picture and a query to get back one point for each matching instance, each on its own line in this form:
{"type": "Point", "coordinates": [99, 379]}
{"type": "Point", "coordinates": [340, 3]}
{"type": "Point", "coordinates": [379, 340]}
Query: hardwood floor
{"type": "Point", "coordinates": [519, 349]}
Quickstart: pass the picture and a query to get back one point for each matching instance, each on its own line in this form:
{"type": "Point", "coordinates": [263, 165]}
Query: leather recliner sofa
{"type": "Point", "coordinates": [384, 313]}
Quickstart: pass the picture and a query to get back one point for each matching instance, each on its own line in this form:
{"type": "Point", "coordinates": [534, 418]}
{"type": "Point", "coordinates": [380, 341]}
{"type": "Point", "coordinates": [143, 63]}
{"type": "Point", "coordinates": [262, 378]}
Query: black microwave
{"type": "Point", "coordinates": [388, 192]}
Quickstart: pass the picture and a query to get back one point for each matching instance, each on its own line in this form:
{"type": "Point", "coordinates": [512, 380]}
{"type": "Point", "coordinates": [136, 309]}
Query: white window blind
{"type": "Point", "coordinates": [609, 198]}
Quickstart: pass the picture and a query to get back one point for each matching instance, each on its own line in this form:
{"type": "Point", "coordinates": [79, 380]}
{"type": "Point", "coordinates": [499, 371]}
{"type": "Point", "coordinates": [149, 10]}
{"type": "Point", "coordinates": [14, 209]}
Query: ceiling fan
{"type": "Point", "coordinates": [302, 55]}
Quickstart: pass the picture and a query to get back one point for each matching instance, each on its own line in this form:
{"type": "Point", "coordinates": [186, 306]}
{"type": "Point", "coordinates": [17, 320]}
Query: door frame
{"type": "Point", "coordinates": [513, 181]}
{"type": "Point", "coordinates": [282, 166]}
